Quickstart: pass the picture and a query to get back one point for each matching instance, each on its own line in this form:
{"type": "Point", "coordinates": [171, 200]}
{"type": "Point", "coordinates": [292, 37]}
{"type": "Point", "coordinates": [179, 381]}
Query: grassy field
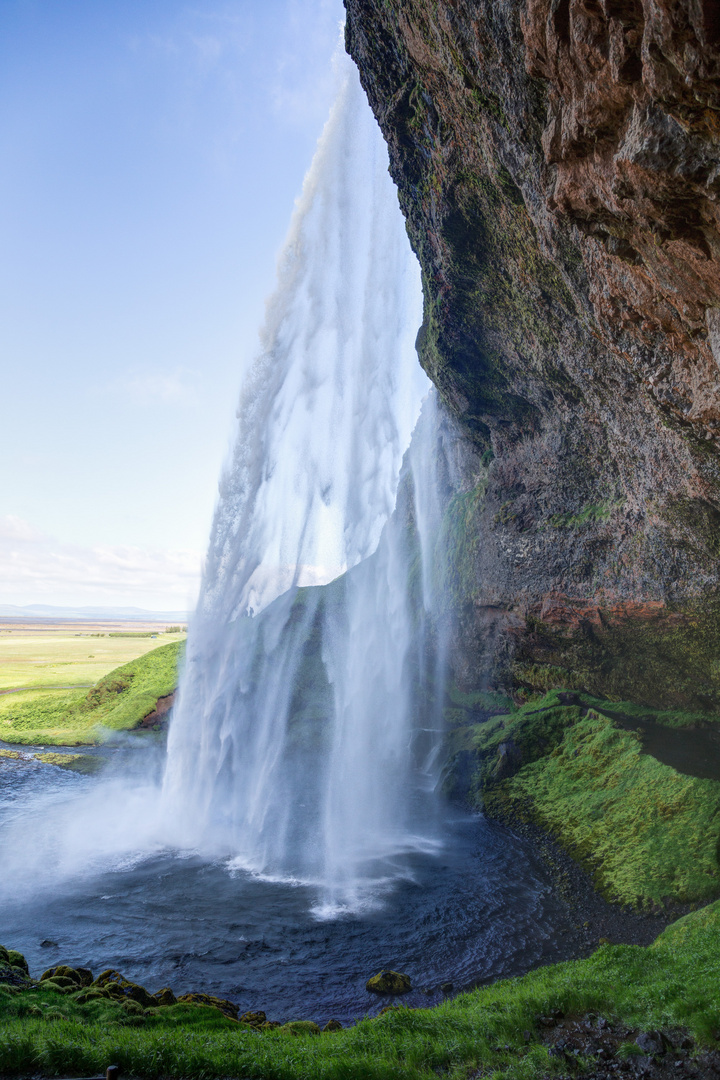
{"type": "Point", "coordinates": [502, 1030]}
{"type": "Point", "coordinates": [117, 702]}
{"type": "Point", "coordinates": [50, 657]}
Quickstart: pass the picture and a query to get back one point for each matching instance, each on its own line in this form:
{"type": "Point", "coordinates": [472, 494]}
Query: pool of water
{"type": "Point", "coordinates": [480, 908]}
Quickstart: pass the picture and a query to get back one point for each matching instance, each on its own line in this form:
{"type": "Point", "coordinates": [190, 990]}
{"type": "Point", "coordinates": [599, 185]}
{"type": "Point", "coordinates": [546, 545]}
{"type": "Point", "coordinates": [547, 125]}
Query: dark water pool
{"type": "Point", "coordinates": [481, 909]}
{"type": "Point", "coordinates": [693, 751]}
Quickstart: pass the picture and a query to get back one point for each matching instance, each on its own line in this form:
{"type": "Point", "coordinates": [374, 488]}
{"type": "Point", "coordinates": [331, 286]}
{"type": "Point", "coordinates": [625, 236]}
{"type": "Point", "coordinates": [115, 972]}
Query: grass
{"type": "Point", "coordinates": [673, 983]}
{"type": "Point", "coordinates": [42, 660]}
{"type": "Point", "coordinates": [649, 834]}
{"type": "Point", "coordinates": [118, 702]}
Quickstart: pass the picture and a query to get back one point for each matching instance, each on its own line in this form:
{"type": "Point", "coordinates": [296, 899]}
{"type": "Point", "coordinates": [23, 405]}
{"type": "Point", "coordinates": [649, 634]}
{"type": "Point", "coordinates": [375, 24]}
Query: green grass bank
{"type": "Point", "coordinates": [648, 834]}
{"type": "Point", "coordinates": [119, 701]}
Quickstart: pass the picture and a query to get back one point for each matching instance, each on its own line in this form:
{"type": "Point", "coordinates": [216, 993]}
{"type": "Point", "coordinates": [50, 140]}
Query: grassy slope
{"type": "Point", "coordinates": [673, 983]}
{"type": "Point", "coordinates": [118, 702]}
{"type": "Point", "coordinates": [648, 833]}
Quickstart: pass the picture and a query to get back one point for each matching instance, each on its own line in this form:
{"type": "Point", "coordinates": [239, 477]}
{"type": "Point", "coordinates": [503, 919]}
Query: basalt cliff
{"type": "Point", "coordinates": [558, 163]}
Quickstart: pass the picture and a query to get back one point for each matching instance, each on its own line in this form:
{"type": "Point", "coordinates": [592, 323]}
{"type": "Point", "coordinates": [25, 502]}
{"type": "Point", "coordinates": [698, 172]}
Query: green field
{"type": "Point", "coordinates": [68, 657]}
{"type": "Point", "coordinates": [117, 702]}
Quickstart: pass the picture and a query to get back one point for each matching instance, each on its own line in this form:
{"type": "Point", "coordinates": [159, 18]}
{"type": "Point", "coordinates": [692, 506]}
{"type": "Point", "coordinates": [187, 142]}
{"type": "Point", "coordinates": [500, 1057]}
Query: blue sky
{"type": "Point", "coordinates": [151, 152]}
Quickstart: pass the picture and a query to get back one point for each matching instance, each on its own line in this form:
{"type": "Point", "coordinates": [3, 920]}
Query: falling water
{"type": "Point", "coordinates": [293, 749]}
{"type": "Point", "coordinates": [302, 751]}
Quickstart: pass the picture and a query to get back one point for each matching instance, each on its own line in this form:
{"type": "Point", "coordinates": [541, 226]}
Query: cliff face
{"type": "Point", "coordinates": [558, 163]}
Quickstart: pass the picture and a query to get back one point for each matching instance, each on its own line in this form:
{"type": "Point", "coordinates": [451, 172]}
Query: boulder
{"type": "Point", "coordinates": [389, 982]}
{"type": "Point", "coordinates": [254, 1019]}
{"type": "Point", "coordinates": [333, 1025]}
{"type": "Point", "coordinates": [121, 988]}
{"type": "Point", "coordinates": [79, 976]}
{"type": "Point", "coordinates": [165, 996]}
{"type": "Point", "coordinates": [300, 1027]}
{"type": "Point", "coordinates": [226, 1007]}
{"type": "Point", "coordinates": [17, 960]}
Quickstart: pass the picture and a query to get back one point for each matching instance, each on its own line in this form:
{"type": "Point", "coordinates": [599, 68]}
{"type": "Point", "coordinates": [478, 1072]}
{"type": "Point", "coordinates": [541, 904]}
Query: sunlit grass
{"type": "Point", "coordinates": [117, 702]}
{"type": "Point", "coordinates": [68, 659]}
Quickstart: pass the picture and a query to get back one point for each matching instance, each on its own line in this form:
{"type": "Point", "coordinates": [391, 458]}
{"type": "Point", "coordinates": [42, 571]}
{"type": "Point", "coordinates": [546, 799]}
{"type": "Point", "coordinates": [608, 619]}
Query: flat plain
{"type": "Point", "coordinates": [63, 654]}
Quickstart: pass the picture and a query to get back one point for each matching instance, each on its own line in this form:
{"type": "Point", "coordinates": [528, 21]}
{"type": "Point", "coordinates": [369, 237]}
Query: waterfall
{"type": "Point", "coordinates": [294, 749]}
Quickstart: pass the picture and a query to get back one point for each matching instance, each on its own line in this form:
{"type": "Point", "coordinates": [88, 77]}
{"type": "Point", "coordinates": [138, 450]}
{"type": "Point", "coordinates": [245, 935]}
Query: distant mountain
{"type": "Point", "coordinates": [49, 611]}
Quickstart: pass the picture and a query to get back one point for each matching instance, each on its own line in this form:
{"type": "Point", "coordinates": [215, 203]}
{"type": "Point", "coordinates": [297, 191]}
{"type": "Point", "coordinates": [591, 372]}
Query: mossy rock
{"type": "Point", "coordinates": [4, 957]}
{"type": "Point", "coordinates": [79, 976]}
{"type": "Point", "coordinates": [62, 986]}
{"type": "Point", "coordinates": [91, 995]}
{"type": "Point", "coordinates": [123, 989]}
{"type": "Point", "coordinates": [133, 1008]}
{"type": "Point", "coordinates": [333, 1025]}
{"type": "Point", "coordinates": [226, 1007]}
{"type": "Point", "coordinates": [254, 1019]}
{"type": "Point", "coordinates": [17, 960]}
{"type": "Point", "coordinates": [165, 996]}
{"type": "Point", "coordinates": [61, 981]}
{"type": "Point", "coordinates": [300, 1027]}
{"type": "Point", "coordinates": [389, 982]}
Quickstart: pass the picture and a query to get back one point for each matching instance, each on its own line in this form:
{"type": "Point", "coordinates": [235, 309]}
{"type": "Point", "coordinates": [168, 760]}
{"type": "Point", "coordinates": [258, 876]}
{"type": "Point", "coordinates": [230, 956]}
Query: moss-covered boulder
{"type": "Point", "coordinates": [255, 1018]}
{"type": "Point", "coordinates": [123, 989]}
{"type": "Point", "coordinates": [300, 1027]}
{"type": "Point", "coordinates": [389, 982]}
{"type": "Point", "coordinates": [78, 976]}
{"type": "Point", "coordinates": [333, 1025]}
{"type": "Point", "coordinates": [60, 985]}
{"type": "Point", "coordinates": [165, 996]}
{"type": "Point", "coordinates": [225, 1006]}
{"type": "Point", "coordinates": [17, 960]}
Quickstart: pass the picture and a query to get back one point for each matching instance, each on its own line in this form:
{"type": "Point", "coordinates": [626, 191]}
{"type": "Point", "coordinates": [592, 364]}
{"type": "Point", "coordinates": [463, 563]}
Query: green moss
{"type": "Point", "coordinates": [80, 763]}
{"type": "Point", "coordinates": [601, 511]}
{"type": "Point", "coordinates": [647, 833]}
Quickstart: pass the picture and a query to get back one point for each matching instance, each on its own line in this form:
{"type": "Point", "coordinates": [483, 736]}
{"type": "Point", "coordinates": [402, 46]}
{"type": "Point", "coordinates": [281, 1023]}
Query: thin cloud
{"type": "Point", "coordinates": [152, 390]}
{"type": "Point", "coordinates": [38, 568]}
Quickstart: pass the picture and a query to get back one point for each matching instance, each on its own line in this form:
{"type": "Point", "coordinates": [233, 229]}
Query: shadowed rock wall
{"type": "Point", "coordinates": [558, 163]}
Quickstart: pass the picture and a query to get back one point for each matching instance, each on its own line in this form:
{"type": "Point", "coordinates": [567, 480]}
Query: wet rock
{"type": "Point", "coordinates": [509, 760]}
{"type": "Point", "coordinates": [389, 982]}
{"type": "Point", "coordinates": [48, 944]}
{"type": "Point", "coordinates": [165, 996]}
{"type": "Point", "coordinates": [446, 987]}
{"type": "Point", "coordinates": [652, 1042]}
{"type": "Point", "coordinates": [333, 1025]}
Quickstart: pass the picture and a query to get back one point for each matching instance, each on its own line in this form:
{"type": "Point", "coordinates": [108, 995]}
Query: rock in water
{"type": "Point", "coordinates": [389, 982]}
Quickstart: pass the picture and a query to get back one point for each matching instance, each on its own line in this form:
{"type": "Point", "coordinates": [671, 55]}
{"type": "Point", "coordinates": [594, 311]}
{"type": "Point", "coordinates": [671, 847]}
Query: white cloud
{"type": "Point", "coordinates": [177, 388]}
{"type": "Point", "coordinates": [38, 569]}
